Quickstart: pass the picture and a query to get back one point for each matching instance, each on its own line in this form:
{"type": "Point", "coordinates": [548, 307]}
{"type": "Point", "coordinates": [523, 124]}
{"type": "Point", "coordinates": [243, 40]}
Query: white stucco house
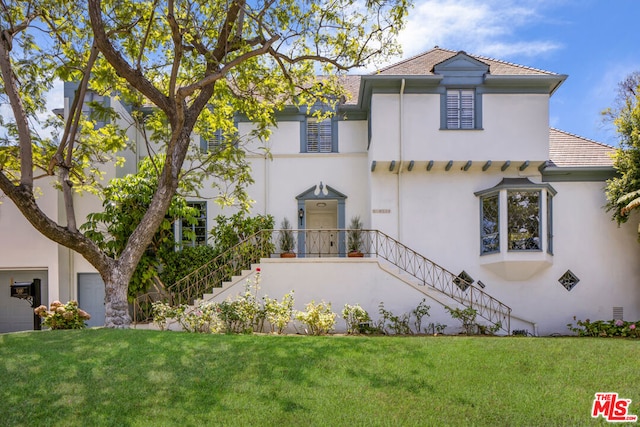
{"type": "Point", "coordinates": [449, 158]}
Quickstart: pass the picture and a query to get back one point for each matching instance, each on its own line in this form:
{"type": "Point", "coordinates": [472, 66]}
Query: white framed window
{"type": "Point", "coordinates": [319, 136]}
{"type": "Point", "coordinates": [490, 224]}
{"type": "Point", "coordinates": [524, 220]}
{"type": "Point", "coordinates": [461, 109]}
{"type": "Point", "coordinates": [195, 233]}
{"type": "Point", "coordinates": [513, 215]}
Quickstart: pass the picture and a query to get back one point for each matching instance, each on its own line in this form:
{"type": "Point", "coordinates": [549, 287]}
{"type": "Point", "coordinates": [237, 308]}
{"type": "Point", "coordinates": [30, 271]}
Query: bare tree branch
{"type": "Point", "coordinates": [19, 111]}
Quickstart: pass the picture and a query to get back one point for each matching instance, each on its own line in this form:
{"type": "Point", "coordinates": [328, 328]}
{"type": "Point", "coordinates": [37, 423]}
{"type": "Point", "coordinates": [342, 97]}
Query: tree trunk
{"type": "Point", "coordinates": [116, 304]}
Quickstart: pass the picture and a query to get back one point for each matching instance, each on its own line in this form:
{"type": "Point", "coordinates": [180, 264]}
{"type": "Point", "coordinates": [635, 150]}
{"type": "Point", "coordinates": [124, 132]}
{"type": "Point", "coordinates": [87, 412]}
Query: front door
{"type": "Point", "coordinates": [322, 222]}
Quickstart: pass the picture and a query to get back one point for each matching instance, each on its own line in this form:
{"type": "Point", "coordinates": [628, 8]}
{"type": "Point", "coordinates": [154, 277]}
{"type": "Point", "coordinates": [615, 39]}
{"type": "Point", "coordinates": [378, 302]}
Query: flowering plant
{"type": "Point", "coordinates": [163, 312]}
{"type": "Point", "coordinates": [63, 316]}
{"type": "Point", "coordinates": [605, 328]}
{"type": "Point", "coordinates": [356, 317]}
{"type": "Point", "coordinates": [279, 314]}
{"type": "Point", "coordinates": [318, 317]}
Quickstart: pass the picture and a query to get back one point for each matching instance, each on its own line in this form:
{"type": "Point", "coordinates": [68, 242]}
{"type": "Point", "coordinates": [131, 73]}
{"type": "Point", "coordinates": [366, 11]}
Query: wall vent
{"type": "Point", "coordinates": [618, 313]}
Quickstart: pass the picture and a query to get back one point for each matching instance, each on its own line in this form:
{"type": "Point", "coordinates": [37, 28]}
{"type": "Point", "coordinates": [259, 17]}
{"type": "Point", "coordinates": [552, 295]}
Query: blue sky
{"type": "Point", "coordinates": [595, 42]}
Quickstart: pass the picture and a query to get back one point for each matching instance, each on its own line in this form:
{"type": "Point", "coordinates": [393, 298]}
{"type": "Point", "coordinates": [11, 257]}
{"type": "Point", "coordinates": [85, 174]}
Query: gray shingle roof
{"type": "Point", "coordinates": [569, 150]}
{"type": "Point", "coordinates": [423, 65]}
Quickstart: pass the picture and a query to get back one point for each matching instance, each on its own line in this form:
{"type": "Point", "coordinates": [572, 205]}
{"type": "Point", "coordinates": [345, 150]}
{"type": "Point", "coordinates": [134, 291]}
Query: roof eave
{"type": "Point", "coordinates": [391, 84]}
{"type": "Point", "coordinates": [552, 173]}
{"type": "Point", "coordinates": [550, 83]}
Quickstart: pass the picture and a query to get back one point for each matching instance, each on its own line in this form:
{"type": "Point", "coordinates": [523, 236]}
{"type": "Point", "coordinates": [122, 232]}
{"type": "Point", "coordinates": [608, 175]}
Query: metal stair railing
{"type": "Point", "coordinates": [328, 243]}
{"type": "Point", "coordinates": [208, 276]}
{"type": "Point", "coordinates": [375, 243]}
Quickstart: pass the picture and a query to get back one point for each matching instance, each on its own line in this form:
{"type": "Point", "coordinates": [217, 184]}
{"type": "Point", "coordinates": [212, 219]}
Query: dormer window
{"type": "Point", "coordinates": [460, 109]}
{"type": "Point", "coordinates": [462, 85]}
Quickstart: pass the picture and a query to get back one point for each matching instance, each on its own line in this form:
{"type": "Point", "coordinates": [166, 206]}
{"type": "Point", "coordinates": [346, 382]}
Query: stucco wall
{"type": "Point", "coordinates": [440, 215]}
{"type": "Point", "coordinates": [514, 127]}
{"type": "Point", "coordinates": [279, 179]}
{"type": "Point", "coordinates": [22, 246]}
{"type": "Point", "coordinates": [343, 281]}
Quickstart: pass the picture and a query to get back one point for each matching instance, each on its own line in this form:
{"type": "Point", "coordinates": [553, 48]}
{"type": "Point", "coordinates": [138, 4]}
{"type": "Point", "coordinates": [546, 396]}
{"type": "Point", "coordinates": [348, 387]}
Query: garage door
{"type": "Point", "coordinates": [17, 314]}
{"type": "Point", "coordinates": [91, 297]}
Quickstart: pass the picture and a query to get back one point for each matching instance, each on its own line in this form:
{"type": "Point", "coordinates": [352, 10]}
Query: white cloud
{"type": "Point", "coordinates": [477, 26]}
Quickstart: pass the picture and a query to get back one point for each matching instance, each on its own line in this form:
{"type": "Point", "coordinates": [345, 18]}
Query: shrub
{"type": "Point", "coordinates": [422, 310]}
{"type": "Point", "coordinates": [203, 319]}
{"type": "Point", "coordinates": [179, 264]}
{"type": "Point", "coordinates": [436, 328]}
{"type": "Point", "coordinates": [63, 316]}
{"type": "Point", "coordinates": [318, 317]}
{"type": "Point", "coordinates": [605, 328]}
{"type": "Point", "coordinates": [357, 319]}
{"type": "Point", "coordinates": [279, 314]}
{"type": "Point", "coordinates": [229, 231]}
{"type": "Point", "coordinates": [469, 324]}
{"type": "Point", "coordinates": [467, 317]}
{"type": "Point", "coordinates": [238, 315]}
{"type": "Point", "coordinates": [398, 324]}
{"type": "Point", "coordinates": [162, 312]}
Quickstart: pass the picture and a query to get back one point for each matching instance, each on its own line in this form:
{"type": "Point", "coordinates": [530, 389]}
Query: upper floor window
{"type": "Point", "coordinates": [461, 109]}
{"type": "Point", "coordinates": [195, 233]}
{"type": "Point", "coordinates": [217, 139]}
{"type": "Point", "coordinates": [319, 136]}
{"type": "Point", "coordinates": [519, 225]}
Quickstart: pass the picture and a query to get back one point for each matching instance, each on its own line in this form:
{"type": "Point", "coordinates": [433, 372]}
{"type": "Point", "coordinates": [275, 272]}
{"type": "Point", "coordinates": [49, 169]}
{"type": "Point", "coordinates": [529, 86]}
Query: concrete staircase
{"type": "Point", "coordinates": [237, 281]}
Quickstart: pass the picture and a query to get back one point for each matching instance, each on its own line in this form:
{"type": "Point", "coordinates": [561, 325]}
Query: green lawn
{"type": "Point", "coordinates": [101, 377]}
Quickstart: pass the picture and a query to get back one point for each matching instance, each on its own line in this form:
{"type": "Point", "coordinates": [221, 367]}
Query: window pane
{"type": "Point", "coordinates": [312, 136]}
{"type": "Point", "coordinates": [453, 109]}
{"type": "Point", "coordinates": [460, 109]}
{"type": "Point", "coordinates": [324, 136]}
{"type": "Point", "coordinates": [490, 227]}
{"type": "Point", "coordinates": [466, 109]}
{"type": "Point", "coordinates": [215, 142]}
{"type": "Point", "coordinates": [319, 139]}
{"type": "Point", "coordinates": [195, 234]}
{"type": "Point", "coordinates": [524, 220]}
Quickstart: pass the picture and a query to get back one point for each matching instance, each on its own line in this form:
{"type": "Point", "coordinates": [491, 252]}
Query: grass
{"type": "Point", "coordinates": [101, 377]}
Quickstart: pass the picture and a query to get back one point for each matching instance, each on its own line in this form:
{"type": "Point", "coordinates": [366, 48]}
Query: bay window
{"type": "Point", "coordinates": [513, 215]}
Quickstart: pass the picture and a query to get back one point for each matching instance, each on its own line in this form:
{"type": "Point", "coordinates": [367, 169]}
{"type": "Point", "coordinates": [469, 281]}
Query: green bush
{"type": "Point", "coordinates": [279, 314]}
{"type": "Point", "coordinates": [397, 324]}
{"type": "Point", "coordinates": [63, 316]}
{"type": "Point", "coordinates": [605, 328]}
{"type": "Point", "coordinates": [318, 317]}
{"type": "Point", "coordinates": [422, 310]}
{"type": "Point", "coordinates": [203, 319]}
{"type": "Point", "coordinates": [229, 231]}
{"type": "Point", "coordinates": [163, 312]}
{"type": "Point", "coordinates": [357, 319]}
{"type": "Point", "coordinates": [469, 325]}
{"type": "Point", "coordinates": [177, 265]}
{"type": "Point", "coordinates": [467, 316]}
